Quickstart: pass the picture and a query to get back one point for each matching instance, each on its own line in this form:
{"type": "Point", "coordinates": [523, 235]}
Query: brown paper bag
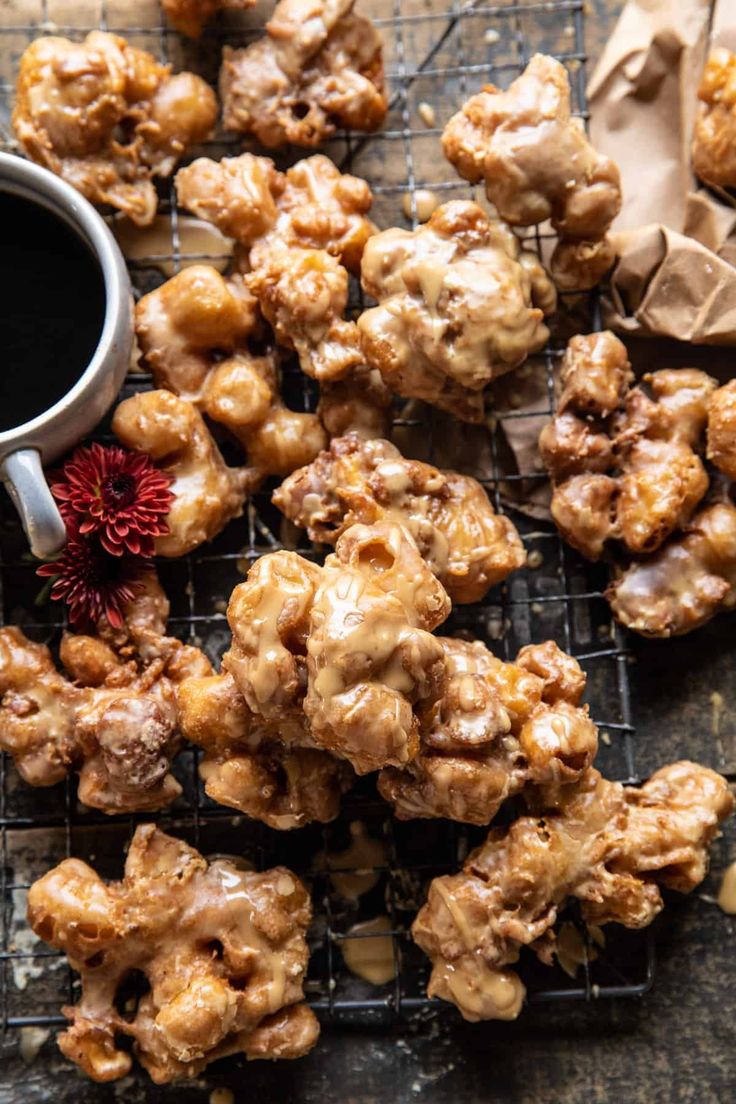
{"type": "Point", "coordinates": [675, 276]}
{"type": "Point", "coordinates": [666, 284]}
{"type": "Point", "coordinates": [711, 223]}
{"type": "Point", "coordinates": [642, 100]}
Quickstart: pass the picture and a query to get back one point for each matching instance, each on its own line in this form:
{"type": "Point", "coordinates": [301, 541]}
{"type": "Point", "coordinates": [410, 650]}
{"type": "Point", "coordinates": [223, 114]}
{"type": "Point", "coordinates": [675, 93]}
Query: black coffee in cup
{"type": "Point", "coordinates": [52, 311]}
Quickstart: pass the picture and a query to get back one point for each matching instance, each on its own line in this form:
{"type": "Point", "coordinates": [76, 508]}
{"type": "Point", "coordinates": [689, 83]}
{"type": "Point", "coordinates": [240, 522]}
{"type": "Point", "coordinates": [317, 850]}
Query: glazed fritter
{"type": "Point", "coordinates": [223, 950]}
{"type": "Point", "coordinates": [608, 846]}
{"type": "Point", "coordinates": [714, 137]}
{"type": "Point", "coordinates": [207, 493]}
{"type": "Point", "coordinates": [108, 118]}
{"type": "Point", "coordinates": [458, 304]}
{"type": "Point", "coordinates": [624, 461]}
{"type": "Point", "coordinates": [317, 68]}
{"type": "Point", "coordinates": [537, 164]}
{"type": "Point", "coordinates": [465, 542]}
{"type": "Point", "coordinates": [497, 730]}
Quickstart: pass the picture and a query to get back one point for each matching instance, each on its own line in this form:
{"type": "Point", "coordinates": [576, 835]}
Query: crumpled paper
{"type": "Point", "coordinates": [642, 102]}
{"type": "Point", "coordinates": [675, 276]}
{"type": "Point", "coordinates": [672, 285]}
{"type": "Point", "coordinates": [711, 223]}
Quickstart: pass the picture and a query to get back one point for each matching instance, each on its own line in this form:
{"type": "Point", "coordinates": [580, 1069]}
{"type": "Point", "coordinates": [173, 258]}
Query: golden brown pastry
{"type": "Point", "coordinates": [222, 949]}
{"type": "Point", "coordinates": [625, 466]}
{"type": "Point", "coordinates": [317, 68]}
{"type": "Point", "coordinates": [184, 327]}
{"type": "Point", "coordinates": [303, 294]}
{"type": "Point", "coordinates": [235, 194]}
{"type": "Point", "coordinates": [497, 729]}
{"type": "Point", "coordinates": [242, 394]}
{"type": "Point", "coordinates": [269, 615]}
{"type": "Point", "coordinates": [348, 644]}
{"type": "Point", "coordinates": [310, 206]}
{"type": "Point", "coordinates": [190, 16]}
{"type": "Point", "coordinates": [297, 233]}
{"type": "Point", "coordinates": [458, 305]}
{"type": "Point", "coordinates": [466, 544]}
{"type": "Point", "coordinates": [318, 207]}
{"type": "Point", "coordinates": [722, 429]}
{"type": "Point", "coordinates": [581, 265]}
{"type": "Point", "coordinates": [373, 665]}
{"type": "Point", "coordinates": [269, 770]}
{"type": "Point", "coordinates": [207, 494]}
{"type": "Point", "coordinates": [607, 846]}
{"type": "Point", "coordinates": [38, 713]}
{"type": "Point", "coordinates": [714, 137]}
{"type": "Point", "coordinates": [180, 324]}
{"type": "Point", "coordinates": [537, 164]}
{"type": "Point", "coordinates": [358, 403]}
{"type": "Point", "coordinates": [107, 117]}
{"type": "Point", "coordinates": [624, 461]}
{"type": "Point", "coordinates": [114, 720]}
{"type": "Point", "coordinates": [690, 579]}
{"type": "Point", "coordinates": [142, 637]}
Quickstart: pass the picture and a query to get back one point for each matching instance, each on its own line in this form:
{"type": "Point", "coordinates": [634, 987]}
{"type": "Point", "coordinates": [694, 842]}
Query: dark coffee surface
{"type": "Point", "coordinates": [53, 307]}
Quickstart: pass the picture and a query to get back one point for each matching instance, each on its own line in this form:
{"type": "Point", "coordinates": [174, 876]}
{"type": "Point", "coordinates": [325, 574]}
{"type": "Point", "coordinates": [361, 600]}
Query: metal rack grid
{"type": "Point", "coordinates": [436, 57]}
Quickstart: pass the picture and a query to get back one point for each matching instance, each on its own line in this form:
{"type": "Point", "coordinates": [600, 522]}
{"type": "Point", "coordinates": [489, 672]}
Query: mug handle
{"type": "Point", "coordinates": [44, 526]}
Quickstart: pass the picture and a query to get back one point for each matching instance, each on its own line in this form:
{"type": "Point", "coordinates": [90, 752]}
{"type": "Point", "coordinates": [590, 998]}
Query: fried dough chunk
{"type": "Point", "coordinates": [497, 729]}
{"type": "Point", "coordinates": [181, 324]}
{"type": "Point", "coordinates": [207, 494]}
{"type": "Point", "coordinates": [714, 136]}
{"type": "Point", "coordinates": [184, 327]}
{"type": "Point", "coordinates": [374, 667]}
{"type": "Point", "coordinates": [303, 294]}
{"type": "Point", "coordinates": [359, 403]}
{"type": "Point", "coordinates": [223, 951]}
{"type": "Point", "coordinates": [456, 307]}
{"type": "Point", "coordinates": [689, 580]}
{"type": "Point", "coordinates": [269, 615]}
{"type": "Point", "coordinates": [625, 466]}
{"type": "Point", "coordinates": [583, 509]}
{"type": "Point", "coordinates": [242, 394]}
{"type": "Point", "coordinates": [310, 206]}
{"type": "Point", "coordinates": [534, 159]}
{"type": "Point", "coordinates": [37, 713]}
{"type": "Point", "coordinates": [467, 545]}
{"type": "Point", "coordinates": [297, 233]}
{"type": "Point", "coordinates": [537, 164]}
{"type": "Point", "coordinates": [318, 67]}
{"type": "Point", "coordinates": [269, 770]}
{"type": "Point", "coordinates": [608, 846]}
{"type": "Point", "coordinates": [107, 117]}
{"type": "Point", "coordinates": [348, 644]}
{"type": "Point", "coordinates": [595, 374]}
{"type": "Point", "coordinates": [581, 265]}
{"type": "Point", "coordinates": [624, 461]}
{"type": "Point", "coordinates": [318, 207]}
{"type": "Point", "coordinates": [722, 429]}
{"type": "Point", "coordinates": [190, 16]}
{"type": "Point", "coordinates": [235, 194]}
{"type": "Point", "coordinates": [114, 720]}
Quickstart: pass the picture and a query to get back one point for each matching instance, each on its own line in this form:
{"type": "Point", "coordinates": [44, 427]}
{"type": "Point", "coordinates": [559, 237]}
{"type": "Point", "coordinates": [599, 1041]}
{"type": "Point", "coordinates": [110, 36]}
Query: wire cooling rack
{"type": "Point", "coordinates": [435, 56]}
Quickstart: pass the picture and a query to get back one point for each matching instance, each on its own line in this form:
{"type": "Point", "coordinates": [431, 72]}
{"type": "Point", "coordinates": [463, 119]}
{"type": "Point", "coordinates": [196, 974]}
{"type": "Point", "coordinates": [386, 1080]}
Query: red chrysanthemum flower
{"type": "Point", "coordinates": [91, 582]}
{"type": "Point", "coordinates": [117, 495]}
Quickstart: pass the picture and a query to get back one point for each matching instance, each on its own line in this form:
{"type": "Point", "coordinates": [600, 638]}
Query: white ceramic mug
{"type": "Point", "coordinates": [25, 448]}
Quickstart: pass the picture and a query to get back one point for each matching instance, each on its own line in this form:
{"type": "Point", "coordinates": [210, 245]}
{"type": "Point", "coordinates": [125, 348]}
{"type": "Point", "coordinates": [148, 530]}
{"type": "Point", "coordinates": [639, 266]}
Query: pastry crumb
{"type": "Point", "coordinates": [427, 114]}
